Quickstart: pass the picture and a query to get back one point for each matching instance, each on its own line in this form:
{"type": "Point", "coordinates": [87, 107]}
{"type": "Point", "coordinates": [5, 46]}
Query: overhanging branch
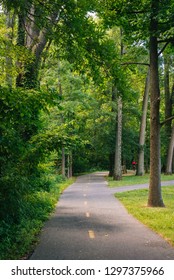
{"type": "Point", "coordinates": [167, 120]}
{"type": "Point", "coordinates": [163, 48]}
{"type": "Point", "coordinates": [135, 63]}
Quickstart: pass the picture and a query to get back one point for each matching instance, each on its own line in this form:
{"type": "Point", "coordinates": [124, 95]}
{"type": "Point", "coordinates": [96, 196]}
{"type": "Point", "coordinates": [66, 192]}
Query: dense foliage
{"type": "Point", "coordinates": [63, 66]}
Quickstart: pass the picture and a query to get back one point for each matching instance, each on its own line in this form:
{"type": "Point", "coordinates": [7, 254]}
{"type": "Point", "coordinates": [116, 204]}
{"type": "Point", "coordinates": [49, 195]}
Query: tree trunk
{"type": "Point", "coordinates": [35, 40]}
{"type": "Point", "coordinates": [10, 20]}
{"type": "Point", "coordinates": [168, 108]}
{"type": "Point", "coordinates": [20, 42]}
{"type": "Point", "coordinates": [69, 165]}
{"type": "Point", "coordinates": [155, 196]}
{"type": "Point", "coordinates": [69, 162]}
{"type": "Point", "coordinates": [118, 141]}
{"type": "Point", "coordinates": [140, 170]}
{"type": "Point", "coordinates": [168, 96]}
{"type": "Point", "coordinates": [118, 144]}
{"type": "Point", "coordinates": [112, 153]}
{"type": "Point", "coordinates": [170, 154]}
{"type": "Point", "coordinates": [63, 162]}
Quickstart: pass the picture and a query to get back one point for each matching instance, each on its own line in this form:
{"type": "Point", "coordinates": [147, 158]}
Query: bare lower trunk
{"type": "Point", "coordinates": [168, 110]}
{"type": "Point", "coordinates": [63, 162]}
{"type": "Point", "coordinates": [69, 159]}
{"type": "Point", "coordinates": [71, 165]}
{"type": "Point", "coordinates": [140, 170]}
{"type": "Point", "coordinates": [155, 196]}
{"type": "Point", "coordinates": [118, 144]}
{"type": "Point", "coordinates": [170, 153]}
{"type": "Point", "coordinates": [168, 96]}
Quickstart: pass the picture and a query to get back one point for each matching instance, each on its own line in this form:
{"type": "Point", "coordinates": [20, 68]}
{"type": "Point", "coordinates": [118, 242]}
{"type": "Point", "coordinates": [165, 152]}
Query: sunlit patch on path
{"type": "Point", "coordinates": [91, 234]}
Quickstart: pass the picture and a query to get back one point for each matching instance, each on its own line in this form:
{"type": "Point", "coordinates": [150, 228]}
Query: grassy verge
{"type": "Point", "coordinates": [17, 241]}
{"type": "Point", "coordinates": [161, 220]}
{"type": "Point", "coordinates": [128, 180]}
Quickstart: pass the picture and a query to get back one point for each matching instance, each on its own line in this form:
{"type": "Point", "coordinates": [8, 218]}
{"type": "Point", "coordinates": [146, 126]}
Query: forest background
{"type": "Point", "coordinates": [74, 97]}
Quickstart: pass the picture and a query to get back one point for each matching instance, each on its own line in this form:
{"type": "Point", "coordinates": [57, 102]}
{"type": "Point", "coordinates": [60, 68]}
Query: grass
{"type": "Point", "coordinates": [131, 179]}
{"type": "Point", "coordinates": [18, 241]}
{"type": "Point", "coordinates": [161, 220]}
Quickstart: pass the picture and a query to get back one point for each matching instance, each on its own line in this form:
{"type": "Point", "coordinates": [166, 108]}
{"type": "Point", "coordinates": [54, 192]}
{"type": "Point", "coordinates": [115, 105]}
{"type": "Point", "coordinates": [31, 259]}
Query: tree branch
{"type": "Point", "coordinates": [163, 48]}
{"type": "Point", "coordinates": [167, 120]}
{"type": "Point", "coordinates": [136, 63]}
{"type": "Point", "coordinates": [167, 40]}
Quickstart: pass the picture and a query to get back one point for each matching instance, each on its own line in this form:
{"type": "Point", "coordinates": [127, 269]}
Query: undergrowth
{"type": "Point", "coordinates": [18, 240]}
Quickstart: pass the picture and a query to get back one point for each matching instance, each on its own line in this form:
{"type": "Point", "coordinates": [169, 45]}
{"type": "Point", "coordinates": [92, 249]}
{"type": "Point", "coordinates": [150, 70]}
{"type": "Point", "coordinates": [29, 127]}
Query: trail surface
{"type": "Point", "coordinates": [91, 224]}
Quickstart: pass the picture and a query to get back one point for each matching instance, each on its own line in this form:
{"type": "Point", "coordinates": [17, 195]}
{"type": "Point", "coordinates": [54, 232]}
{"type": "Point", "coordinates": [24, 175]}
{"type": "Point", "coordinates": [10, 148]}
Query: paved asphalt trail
{"type": "Point", "coordinates": [90, 224]}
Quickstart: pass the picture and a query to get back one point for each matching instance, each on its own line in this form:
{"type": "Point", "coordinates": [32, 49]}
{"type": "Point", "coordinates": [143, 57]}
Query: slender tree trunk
{"type": "Point", "coordinates": [155, 196]}
{"type": "Point", "coordinates": [168, 99]}
{"type": "Point", "coordinates": [10, 18]}
{"type": "Point", "coordinates": [118, 141]}
{"type": "Point", "coordinates": [20, 42]}
{"type": "Point", "coordinates": [69, 165]}
{"type": "Point", "coordinates": [63, 162]}
{"type": "Point", "coordinates": [140, 170]}
{"type": "Point", "coordinates": [168, 108]}
{"type": "Point", "coordinates": [170, 154]}
{"type": "Point", "coordinates": [112, 153]}
{"type": "Point", "coordinates": [118, 144]}
{"type": "Point", "coordinates": [69, 162]}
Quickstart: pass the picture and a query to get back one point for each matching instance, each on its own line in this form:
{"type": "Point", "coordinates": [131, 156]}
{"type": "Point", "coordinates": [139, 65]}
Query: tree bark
{"type": "Point", "coordinates": [170, 154]}
{"type": "Point", "coordinates": [63, 162]}
{"type": "Point", "coordinates": [35, 40]}
{"type": "Point", "coordinates": [140, 169]}
{"type": "Point", "coordinates": [10, 20]}
{"type": "Point", "coordinates": [112, 153]}
{"type": "Point", "coordinates": [69, 165]}
{"type": "Point", "coordinates": [155, 195]}
{"type": "Point", "coordinates": [168, 108]}
{"type": "Point", "coordinates": [118, 144]}
{"type": "Point", "coordinates": [118, 141]}
{"type": "Point", "coordinates": [20, 42]}
{"type": "Point", "coordinates": [168, 101]}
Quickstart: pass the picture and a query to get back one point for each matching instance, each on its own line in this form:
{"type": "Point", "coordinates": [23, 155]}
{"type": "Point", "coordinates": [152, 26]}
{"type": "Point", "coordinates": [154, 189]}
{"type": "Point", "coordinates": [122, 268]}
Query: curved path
{"type": "Point", "coordinates": [89, 223]}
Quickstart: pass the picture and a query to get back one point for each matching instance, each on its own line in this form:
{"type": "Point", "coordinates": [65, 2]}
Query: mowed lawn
{"type": "Point", "coordinates": [161, 220]}
{"type": "Point", "coordinates": [130, 179]}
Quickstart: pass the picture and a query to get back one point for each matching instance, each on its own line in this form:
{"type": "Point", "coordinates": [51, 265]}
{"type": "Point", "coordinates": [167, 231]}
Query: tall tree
{"type": "Point", "coordinates": [169, 93]}
{"type": "Point", "coordinates": [170, 155]}
{"type": "Point", "coordinates": [153, 23]}
{"type": "Point", "coordinates": [118, 144]}
{"type": "Point", "coordinates": [140, 169]}
{"type": "Point", "coordinates": [155, 197]}
{"type": "Point", "coordinates": [41, 22]}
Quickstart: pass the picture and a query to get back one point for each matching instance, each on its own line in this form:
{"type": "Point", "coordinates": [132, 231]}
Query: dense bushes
{"type": "Point", "coordinates": [18, 240]}
{"type": "Point", "coordinates": [28, 191]}
{"type": "Point", "coordinates": [19, 157]}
